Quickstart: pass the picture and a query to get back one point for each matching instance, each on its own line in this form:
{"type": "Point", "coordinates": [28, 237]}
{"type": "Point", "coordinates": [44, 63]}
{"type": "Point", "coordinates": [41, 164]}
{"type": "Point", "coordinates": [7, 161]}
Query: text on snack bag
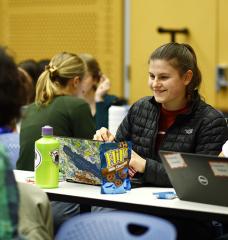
{"type": "Point", "coordinates": [115, 156]}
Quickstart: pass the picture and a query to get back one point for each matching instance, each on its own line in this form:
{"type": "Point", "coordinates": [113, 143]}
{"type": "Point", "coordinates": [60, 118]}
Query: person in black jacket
{"type": "Point", "coordinates": [175, 118]}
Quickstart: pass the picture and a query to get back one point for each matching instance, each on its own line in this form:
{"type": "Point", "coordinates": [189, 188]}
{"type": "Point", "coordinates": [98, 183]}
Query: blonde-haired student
{"type": "Point", "coordinates": [56, 104]}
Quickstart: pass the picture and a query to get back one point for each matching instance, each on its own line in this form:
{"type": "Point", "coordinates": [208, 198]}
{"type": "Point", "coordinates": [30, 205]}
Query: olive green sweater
{"type": "Point", "coordinates": [68, 115]}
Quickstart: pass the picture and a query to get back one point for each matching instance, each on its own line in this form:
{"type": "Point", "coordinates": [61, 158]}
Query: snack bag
{"type": "Point", "coordinates": [114, 167]}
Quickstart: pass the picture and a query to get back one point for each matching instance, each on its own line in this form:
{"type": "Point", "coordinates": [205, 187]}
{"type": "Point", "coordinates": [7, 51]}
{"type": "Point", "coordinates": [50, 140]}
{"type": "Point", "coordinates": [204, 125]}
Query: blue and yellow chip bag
{"type": "Point", "coordinates": [114, 167]}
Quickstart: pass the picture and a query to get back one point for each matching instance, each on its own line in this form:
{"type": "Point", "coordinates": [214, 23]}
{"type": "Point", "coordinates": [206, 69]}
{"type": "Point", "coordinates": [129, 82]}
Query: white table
{"type": "Point", "coordinates": [138, 199]}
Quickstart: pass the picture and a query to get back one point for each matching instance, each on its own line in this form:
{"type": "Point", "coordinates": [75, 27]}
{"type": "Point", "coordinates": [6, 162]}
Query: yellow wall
{"type": "Point", "coordinates": [41, 28]}
{"type": "Point", "coordinates": [198, 16]}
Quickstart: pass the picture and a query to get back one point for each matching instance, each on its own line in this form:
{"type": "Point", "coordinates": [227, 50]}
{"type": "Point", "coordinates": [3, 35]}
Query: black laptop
{"type": "Point", "coordinates": [197, 178]}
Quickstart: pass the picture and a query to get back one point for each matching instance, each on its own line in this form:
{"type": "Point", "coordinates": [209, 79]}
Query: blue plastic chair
{"type": "Point", "coordinates": [10, 141]}
{"type": "Point", "coordinates": [116, 225]}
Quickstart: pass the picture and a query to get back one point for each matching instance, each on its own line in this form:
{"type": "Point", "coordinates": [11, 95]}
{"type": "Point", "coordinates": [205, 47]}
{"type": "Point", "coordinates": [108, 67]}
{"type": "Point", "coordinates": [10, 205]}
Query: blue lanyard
{"type": "Point", "coordinates": [5, 130]}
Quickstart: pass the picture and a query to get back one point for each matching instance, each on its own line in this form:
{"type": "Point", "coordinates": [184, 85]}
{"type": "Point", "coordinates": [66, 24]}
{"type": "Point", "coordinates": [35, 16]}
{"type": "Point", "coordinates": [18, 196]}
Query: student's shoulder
{"type": "Point", "coordinates": [70, 100]}
{"type": "Point", "coordinates": [145, 101]}
{"type": "Point", "coordinates": [210, 113]}
{"type": "Point", "coordinates": [142, 106]}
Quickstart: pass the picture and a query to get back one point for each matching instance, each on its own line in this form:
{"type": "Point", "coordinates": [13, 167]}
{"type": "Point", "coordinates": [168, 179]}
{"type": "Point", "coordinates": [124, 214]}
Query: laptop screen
{"type": "Point", "coordinates": [80, 160]}
{"type": "Point", "coordinates": [197, 177]}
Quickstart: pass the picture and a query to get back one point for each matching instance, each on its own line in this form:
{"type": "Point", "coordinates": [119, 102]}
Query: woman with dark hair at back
{"type": "Point", "coordinates": [30, 68]}
{"type": "Point", "coordinates": [41, 64]}
{"type": "Point", "coordinates": [175, 118]}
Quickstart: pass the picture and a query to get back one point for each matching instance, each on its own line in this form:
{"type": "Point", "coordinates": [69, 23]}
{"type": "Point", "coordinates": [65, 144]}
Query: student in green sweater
{"type": "Point", "coordinates": [56, 105]}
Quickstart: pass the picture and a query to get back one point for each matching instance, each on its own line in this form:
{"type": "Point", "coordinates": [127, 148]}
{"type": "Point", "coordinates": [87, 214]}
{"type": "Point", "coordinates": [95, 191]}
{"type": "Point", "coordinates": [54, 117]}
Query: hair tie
{"type": "Point", "coordinates": [53, 71]}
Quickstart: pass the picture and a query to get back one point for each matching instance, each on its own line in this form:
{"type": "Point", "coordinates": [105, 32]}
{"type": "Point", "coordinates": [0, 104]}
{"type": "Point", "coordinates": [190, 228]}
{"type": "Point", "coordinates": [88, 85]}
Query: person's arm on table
{"type": "Point", "coordinates": [149, 168]}
{"type": "Point", "coordinates": [153, 171]}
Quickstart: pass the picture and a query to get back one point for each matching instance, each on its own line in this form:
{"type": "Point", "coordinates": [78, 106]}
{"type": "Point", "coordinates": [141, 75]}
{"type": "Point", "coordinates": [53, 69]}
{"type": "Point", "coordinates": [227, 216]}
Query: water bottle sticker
{"type": "Point", "coordinates": [55, 156]}
{"type": "Point", "coordinates": [38, 158]}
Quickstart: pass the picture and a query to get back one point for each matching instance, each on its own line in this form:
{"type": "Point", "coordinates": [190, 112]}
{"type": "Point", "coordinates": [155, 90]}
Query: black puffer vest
{"type": "Point", "coordinates": [200, 130]}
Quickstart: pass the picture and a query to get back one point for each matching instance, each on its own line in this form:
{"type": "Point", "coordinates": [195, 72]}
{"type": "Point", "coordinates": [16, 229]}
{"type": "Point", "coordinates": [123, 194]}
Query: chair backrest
{"type": "Point", "coordinates": [10, 141]}
{"type": "Point", "coordinates": [116, 225]}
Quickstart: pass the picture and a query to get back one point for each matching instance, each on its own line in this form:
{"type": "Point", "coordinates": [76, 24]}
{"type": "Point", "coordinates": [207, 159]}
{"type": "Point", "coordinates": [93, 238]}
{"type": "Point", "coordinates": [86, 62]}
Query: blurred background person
{"type": "Point", "coordinates": [41, 64]}
{"type": "Point", "coordinates": [30, 68]}
{"type": "Point", "coordinates": [9, 200]}
{"type": "Point", "coordinates": [29, 93]}
{"type": "Point", "coordinates": [27, 83]}
{"type": "Point", "coordinates": [13, 95]}
{"type": "Point", "coordinates": [95, 88]}
{"type": "Point", "coordinates": [24, 208]}
{"type": "Point", "coordinates": [10, 93]}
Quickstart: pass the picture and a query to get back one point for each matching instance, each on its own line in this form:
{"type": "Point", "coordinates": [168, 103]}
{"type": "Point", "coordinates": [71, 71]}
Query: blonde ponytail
{"type": "Point", "coordinates": [62, 67]}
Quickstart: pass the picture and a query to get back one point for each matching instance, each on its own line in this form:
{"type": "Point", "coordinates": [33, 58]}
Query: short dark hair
{"type": "Point", "coordinates": [41, 64]}
{"type": "Point", "coordinates": [11, 90]}
{"type": "Point", "coordinates": [183, 58]}
{"type": "Point", "coordinates": [31, 67]}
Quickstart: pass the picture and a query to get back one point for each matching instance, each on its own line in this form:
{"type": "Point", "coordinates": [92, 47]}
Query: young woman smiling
{"type": "Point", "coordinates": [175, 118]}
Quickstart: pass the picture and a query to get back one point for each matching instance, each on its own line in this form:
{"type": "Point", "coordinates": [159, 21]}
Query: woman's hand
{"type": "Point", "coordinates": [136, 164]}
{"type": "Point", "coordinates": [102, 89]}
{"type": "Point", "coordinates": [104, 135]}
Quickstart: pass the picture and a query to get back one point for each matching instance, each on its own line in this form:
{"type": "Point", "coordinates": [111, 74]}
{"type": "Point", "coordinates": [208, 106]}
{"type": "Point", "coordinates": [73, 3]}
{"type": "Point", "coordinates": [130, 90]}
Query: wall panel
{"type": "Point", "coordinates": [40, 28]}
{"type": "Point", "coordinates": [198, 16]}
